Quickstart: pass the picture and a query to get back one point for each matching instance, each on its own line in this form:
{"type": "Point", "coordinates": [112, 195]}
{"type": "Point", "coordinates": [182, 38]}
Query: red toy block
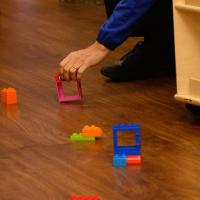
{"type": "Point", "coordinates": [9, 96]}
{"type": "Point", "coordinates": [79, 197]}
{"type": "Point", "coordinates": [134, 160]}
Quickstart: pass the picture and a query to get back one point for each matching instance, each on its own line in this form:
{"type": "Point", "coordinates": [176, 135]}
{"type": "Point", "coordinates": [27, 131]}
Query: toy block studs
{"type": "Point", "coordinates": [92, 131]}
{"type": "Point", "coordinates": [79, 137]}
{"type": "Point", "coordinates": [60, 91]}
{"type": "Point", "coordinates": [9, 96]}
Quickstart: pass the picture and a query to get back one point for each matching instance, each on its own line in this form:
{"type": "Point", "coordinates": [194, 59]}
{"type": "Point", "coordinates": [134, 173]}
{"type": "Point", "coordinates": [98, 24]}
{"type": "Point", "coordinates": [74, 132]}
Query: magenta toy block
{"type": "Point", "coordinates": [60, 91]}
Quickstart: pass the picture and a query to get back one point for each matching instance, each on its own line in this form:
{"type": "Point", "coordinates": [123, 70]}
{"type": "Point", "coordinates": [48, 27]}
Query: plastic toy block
{"type": "Point", "coordinates": [134, 160]}
{"type": "Point", "coordinates": [119, 160]}
{"type": "Point", "coordinates": [57, 76]}
{"type": "Point", "coordinates": [127, 150]}
{"type": "Point", "coordinates": [9, 96]}
{"type": "Point", "coordinates": [92, 131]}
{"type": "Point", "coordinates": [60, 91]}
{"type": "Point", "coordinates": [80, 137]}
{"type": "Point", "coordinates": [84, 198]}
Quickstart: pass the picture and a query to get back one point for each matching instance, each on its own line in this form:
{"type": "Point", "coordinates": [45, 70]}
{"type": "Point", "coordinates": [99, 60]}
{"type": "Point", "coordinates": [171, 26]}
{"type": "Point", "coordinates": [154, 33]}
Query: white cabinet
{"type": "Point", "coordinates": [187, 45]}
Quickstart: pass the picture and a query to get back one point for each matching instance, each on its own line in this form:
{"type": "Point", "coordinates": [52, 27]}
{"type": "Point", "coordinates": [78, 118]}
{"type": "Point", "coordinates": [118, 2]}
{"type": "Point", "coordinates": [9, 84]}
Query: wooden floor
{"type": "Point", "coordinates": [37, 160]}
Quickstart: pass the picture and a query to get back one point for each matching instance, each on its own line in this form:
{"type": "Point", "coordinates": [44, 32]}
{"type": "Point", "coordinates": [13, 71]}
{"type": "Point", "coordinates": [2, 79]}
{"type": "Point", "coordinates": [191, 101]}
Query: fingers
{"type": "Point", "coordinates": [62, 65]}
{"type": "Point", "coordinates": [70, 65]}
{"type": "Point", "coordinates": [65, 60]}
{"type": "Point", "coordinates": [73, 73]}
{"type": "Point", "coordinates": [66, 73]}
{"type": "Point", "coordinates": [67, 67]}
{"type": "Point", "coordinates": [80, 71]}
{"type": "Point", "coordinates": [70, 69]}
{"type": "Point", "coordinates": [73, 70]}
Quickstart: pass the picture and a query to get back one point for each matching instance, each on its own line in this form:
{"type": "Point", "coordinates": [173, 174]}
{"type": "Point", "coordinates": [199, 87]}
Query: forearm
{"type": "Point", "coordinates": [121, 23]}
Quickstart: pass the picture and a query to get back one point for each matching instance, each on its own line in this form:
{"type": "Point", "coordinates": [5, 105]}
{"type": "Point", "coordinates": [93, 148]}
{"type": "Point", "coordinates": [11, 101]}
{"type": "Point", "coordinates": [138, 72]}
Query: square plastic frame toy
{"type": "Point", "coordinates": [61, 97]}
{"type": "Point", "coordinates": [127, 150]}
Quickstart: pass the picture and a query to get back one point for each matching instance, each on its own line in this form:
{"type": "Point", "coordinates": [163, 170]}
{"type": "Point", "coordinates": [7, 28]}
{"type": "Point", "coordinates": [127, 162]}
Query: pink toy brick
{"type": "Point", "coordinates": [60, 91]}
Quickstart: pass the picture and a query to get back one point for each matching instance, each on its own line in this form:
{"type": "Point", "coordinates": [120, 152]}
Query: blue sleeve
{"type": "Point", "coordinates": [120, 24]}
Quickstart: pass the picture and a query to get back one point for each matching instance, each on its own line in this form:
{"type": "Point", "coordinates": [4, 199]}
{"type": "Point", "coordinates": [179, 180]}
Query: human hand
{"type": "Point", "coordinates": [75, 63]}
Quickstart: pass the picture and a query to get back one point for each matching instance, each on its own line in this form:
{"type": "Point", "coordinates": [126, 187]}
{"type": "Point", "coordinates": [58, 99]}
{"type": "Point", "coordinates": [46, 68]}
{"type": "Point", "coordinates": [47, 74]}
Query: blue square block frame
{"type": "Point", "coordinates": [127, 150]}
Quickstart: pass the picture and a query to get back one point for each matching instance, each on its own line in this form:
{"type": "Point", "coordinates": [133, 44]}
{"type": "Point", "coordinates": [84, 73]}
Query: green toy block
{"type": "Point", "coordinates": [79, 137]}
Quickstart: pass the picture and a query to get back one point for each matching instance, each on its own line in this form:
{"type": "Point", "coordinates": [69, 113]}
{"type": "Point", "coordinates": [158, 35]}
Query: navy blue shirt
{"type": "Point", "coordinates": [120, 24]}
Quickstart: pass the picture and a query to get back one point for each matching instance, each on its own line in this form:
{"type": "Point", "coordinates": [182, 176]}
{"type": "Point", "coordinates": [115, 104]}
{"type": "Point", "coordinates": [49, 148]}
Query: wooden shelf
{"type": "Point", "coordinates": [188, 8]}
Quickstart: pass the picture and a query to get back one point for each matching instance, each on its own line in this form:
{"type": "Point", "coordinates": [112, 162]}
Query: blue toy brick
{"type": "Point", "coordinates": [119, 160]}
{"type": "Point", "coordinates": [127, 150]}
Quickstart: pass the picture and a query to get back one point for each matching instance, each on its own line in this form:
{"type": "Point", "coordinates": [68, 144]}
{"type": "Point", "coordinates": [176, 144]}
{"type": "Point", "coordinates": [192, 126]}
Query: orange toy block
{"type": "Point", "coordinates": [9, 96]}
{"type": "Point", "coordinates": [92, 131]}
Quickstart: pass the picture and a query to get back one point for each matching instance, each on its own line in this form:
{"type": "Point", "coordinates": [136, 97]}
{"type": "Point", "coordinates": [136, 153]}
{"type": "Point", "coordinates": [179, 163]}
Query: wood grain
{"type": "Point", "coordinates": [37, 159]}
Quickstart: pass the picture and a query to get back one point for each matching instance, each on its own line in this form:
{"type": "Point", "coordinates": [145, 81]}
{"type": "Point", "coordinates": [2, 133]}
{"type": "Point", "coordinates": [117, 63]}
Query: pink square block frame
{"type": "Point", "coordinates": [61, 97]}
